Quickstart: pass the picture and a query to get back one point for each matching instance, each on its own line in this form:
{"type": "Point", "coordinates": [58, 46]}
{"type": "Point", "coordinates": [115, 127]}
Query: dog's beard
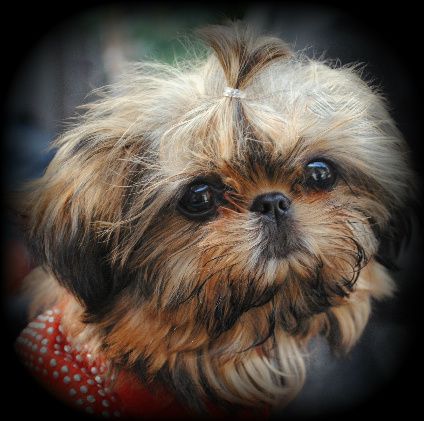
{"type": "Point", "coordinates": [217, 273]}
{"type": "Point", "coordinates": [216, 300]}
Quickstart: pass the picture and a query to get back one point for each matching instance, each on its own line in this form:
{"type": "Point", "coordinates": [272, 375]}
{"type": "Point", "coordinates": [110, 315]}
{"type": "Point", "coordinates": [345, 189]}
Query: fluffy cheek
{"type": "Point", "coordinates": [181, 260]}
{"type": "Point", "coordinates": [336, 233]}
{"type": "Point", "coordinates": [335, 244]}
{"type": "Point", "coordinates": [221, 275]}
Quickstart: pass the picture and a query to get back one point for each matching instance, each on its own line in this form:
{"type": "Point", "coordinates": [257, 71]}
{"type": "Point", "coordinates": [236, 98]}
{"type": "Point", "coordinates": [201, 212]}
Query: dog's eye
{"type": "Point", "coordinates": [320, 175]}
{"type": "Point", "coordinates": [198, 201]}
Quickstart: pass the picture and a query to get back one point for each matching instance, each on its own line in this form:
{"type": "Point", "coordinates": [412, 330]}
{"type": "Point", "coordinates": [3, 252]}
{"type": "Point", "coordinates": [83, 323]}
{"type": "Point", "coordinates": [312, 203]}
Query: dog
{"type": "Point", "coordinates": [200, 224]}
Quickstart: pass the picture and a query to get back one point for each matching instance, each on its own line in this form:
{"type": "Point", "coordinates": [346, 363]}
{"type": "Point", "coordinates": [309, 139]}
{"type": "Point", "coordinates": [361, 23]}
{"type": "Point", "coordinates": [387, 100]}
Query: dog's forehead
{"type": "Point", "coordinates": [268, 121]}
{"type": "Point", "coordinates": [285, 118]}
{"type": "Point", "coordinates": [254, 140]}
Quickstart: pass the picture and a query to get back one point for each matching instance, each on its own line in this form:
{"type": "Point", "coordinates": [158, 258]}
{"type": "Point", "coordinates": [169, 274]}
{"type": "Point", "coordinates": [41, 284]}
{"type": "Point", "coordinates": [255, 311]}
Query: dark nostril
{"type": "Point", "coordinates": [273, 204]}
{"type": "Point", "coordinates": [266, 207]}
{"type": "Point", "coordinates": [283, 205]}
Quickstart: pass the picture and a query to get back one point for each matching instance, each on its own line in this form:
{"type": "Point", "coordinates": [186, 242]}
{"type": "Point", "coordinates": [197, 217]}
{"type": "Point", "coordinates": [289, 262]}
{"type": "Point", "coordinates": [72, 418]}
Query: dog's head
{"type": "Point", "coordinates": [202, 228]}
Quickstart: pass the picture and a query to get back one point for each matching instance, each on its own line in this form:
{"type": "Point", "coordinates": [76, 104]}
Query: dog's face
{"type": "Point", "coordinates": [205, 234]}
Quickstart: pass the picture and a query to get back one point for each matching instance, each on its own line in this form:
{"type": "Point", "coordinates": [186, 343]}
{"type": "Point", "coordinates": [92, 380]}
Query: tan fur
{"type": "Point", "coordinates": [117, 172]}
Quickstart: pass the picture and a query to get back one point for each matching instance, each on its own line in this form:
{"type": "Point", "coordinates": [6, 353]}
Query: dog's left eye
{"type": "Point", "coordinates": [320, 175]}
{"type": "Point", "coordinates": [198, 201]}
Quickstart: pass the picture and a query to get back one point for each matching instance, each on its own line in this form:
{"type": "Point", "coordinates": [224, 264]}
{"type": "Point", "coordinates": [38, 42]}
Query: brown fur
{"type": "Point", "coordinates": [188, 300]}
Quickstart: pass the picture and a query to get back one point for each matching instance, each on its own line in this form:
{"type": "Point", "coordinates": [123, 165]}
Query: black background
{"type": "Point", "coordinates": [396, 27]}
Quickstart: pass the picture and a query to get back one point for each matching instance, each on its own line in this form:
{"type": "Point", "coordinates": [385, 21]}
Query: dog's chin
{"type": "Point", "coordinates": [277, 251]}
{"type": "Point", "coordinates": [280, 240]}
{"type": "Point", "coordinates": [281, 251]}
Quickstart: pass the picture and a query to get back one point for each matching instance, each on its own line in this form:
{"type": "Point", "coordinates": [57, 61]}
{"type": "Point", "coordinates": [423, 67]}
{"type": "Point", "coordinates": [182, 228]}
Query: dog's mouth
{"type": "Point", "coordinates": [279, 240]}
{"type": "Point", "coordinates": [281, 249]}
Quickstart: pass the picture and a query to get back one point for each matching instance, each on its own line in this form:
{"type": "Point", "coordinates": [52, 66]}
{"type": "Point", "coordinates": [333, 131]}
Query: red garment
{"type": "Point", "coordinates": [73, 375]}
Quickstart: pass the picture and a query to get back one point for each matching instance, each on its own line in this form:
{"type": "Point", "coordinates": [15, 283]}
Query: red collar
{"type": "Point", "coordinates": [73, 375]}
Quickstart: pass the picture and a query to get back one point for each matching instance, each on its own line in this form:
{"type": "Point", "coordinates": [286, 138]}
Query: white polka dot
{"type": "Point", "coordinates": [77, 377]}
{"type": "Point", "coordinates": [56, 346]}
{"type": "Point", "coordinates": [105, 403]}
{"type": "Point", "coordinates": [44, 341]}
{"type": "Point", "coordinates": [60, 328]}
{"type": "Point", "coordinates": [78, 358]}
{"type": "Point", "coordinates": [56, 310]}
{"type": "Point", "coordinates": [36, 326]}
{"type": "Point", "coordinates": [91, 398]}
{"type": "Point", "coordinates": [50, 330]}
{"type": "Point", "coordinates": [72, 392]}
{"type": "Point", "coordinates": [105, 414]}
{"type": "Point", "coordinates": [51, 319]}
{"type": "Point", "coordinates": [89, 409]}
{"type": "Point", "coordinates": [53, 362]}
{"type": "Point", "coordinates": [98, 379]}
{"type": "Point", "coordinates": [101, 392]}
{"type": "Point", "coordinates": [67, 348]}
{"type": "Point", "coordinates": [55, 374]}
{"type": "Point", "coordinates": [57, 352]}
{"type": "Point", "coordinates": [94, 370]}
{"type": "Point", "coordinates": [58, 338]}
{"type": "Point", "coordinates": [40, 360]}
{"type": "Point", "coordinates": [49, 312]}
{"type": "Point", "coordinates": [43, 350]}
{"type": "Point", "coordinates": [66, 379]}
{"type": "Point", "coordinates": [34, 347]}
{"type": "Point", "coordinates": [90, 382]}
{"type": "Point", "coordinates": [83, 370]}
{"type": "Point", "coordinates": [83, 389]}
{"type": "Point", "coordinates": [38, 337]}
{"type": "Point", "coordinates": [64, 369]}
{"type": "Point", "coordinates": [79, 401]}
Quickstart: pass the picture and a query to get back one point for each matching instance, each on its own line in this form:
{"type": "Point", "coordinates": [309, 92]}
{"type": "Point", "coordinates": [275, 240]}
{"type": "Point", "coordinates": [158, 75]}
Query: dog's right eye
{"type": "Point", "coordinates": [199, 201]}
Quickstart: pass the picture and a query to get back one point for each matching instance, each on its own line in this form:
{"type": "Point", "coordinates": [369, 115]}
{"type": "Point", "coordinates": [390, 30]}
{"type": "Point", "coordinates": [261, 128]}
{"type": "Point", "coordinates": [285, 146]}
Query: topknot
{"type": "Point", "coordinates": [241, 52]}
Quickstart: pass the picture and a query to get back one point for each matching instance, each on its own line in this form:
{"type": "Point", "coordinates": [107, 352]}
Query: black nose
{"type": "Point", "coordinates": [274, 205]}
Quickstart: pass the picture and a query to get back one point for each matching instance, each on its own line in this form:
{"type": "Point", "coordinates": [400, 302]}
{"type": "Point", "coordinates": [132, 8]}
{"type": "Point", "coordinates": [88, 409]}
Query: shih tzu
{"type": "Point", "coordinates": [201, 223]}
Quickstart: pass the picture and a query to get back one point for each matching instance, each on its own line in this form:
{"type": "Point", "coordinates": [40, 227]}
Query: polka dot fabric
{"type": "Point", "coordinates": [70, 373]}
{"type": "Point", "coordinates": [73, 375]}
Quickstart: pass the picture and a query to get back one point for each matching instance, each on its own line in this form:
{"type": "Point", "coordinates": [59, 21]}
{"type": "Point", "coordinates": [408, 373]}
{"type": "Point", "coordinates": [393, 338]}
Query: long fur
{"type": "Point", "coordinates": [194, 304]}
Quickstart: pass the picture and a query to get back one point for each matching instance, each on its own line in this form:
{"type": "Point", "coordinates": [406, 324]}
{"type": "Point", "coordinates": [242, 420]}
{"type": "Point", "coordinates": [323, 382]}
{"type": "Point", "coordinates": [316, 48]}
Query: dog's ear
{"type": "Point", "coordinates": [74, 216]}
{"type": "Point", "coordinates": [393, 239]}
{"type": "Point", "coordinates": [398, 233]}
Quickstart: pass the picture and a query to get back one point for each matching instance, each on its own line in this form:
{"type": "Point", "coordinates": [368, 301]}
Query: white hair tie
{"type": "Point", "coordinates": [233, 93]}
